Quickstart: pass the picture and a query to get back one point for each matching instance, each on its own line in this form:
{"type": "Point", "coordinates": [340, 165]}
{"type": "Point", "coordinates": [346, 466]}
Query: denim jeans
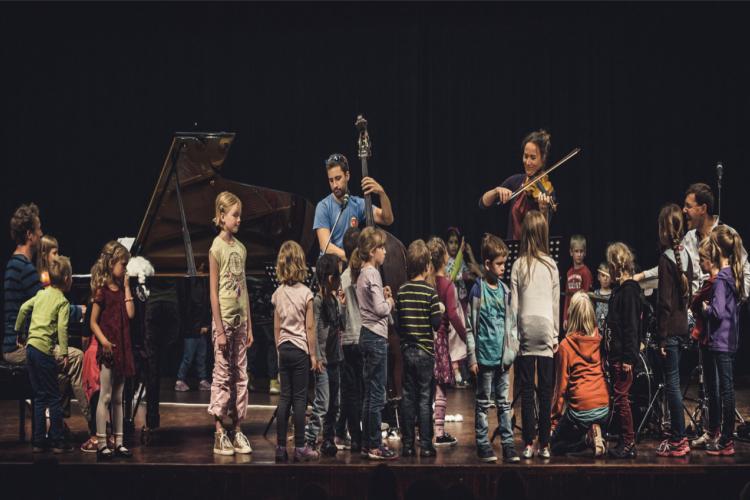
{"type": "Point", "coordinates": [375, 369]}
{"type": "Point", "coordinates": [43, 374]}
{"type": "Point", "coordinates": [570, 434]}
{"type": "Point", "coordinates": [718, 368]}
{"type": "Point", "coordinates": [351, 394]}
{"type": "Point", "coordinates": [325, 405]}
{"type": "Point", "coordinates": [194, 349]}
{"type": "Point", "coordinates": [672, 385]}
{"type": "Point", "coordinates": [492, 380]}
{"type": "Point", "coordinates": [545, 371]}
{"type": "Point", "coordinates": [294, 369]}
{"type": "Point", "coordinates": [418, 392]}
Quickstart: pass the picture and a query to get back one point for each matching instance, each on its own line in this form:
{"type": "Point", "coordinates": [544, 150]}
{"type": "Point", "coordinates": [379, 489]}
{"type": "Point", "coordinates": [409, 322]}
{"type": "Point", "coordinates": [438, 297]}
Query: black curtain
{"type": "Point", "coordinates": [655, 94]}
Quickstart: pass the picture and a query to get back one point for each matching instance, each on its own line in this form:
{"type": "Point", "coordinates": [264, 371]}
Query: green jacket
{"type": "Point", "coordinates": [50, 312]}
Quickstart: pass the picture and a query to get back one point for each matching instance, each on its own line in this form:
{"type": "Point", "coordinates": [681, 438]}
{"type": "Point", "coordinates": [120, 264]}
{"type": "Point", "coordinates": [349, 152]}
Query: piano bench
{"type": "Point", "coordinates": [15, 385]}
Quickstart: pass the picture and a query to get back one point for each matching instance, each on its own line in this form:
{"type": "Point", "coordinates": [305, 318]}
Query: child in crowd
{"type": "Point", "coordinates": [492, 321]}
{"type": "Point", "coordinates": [232, 328]}
{"type": "Point", "coordinates": [603, 293]}
{"type": "Point", "coordinates": [419, 313]}
{"type": "Point", "coordinates": [461, 268]}
{"type": "Point", "coordinates": [453, 317]}
{"type": "Point", "coordinates": [622, 341]}
{"type": "Point", "coordinates": [50, 312]}
{"type": "Point", "coordinates": [579, 277]}
{"type": "Point", "coordinates": [195, 343]}
{"type": "Point", "coordinates": [722, 313]}
{"type": "Point", "coordinates": [375, 306]}
{"type": "Point", "coordinates": [675, 276]}
{"type": "Point", "coordinates": [294, 331]}
{"type": "Point", "coordinates": [350, 417]}
{"type": "Point", "coordinates": [535, 299]}
{"type": "Point", "coordinates": [111, 312]}
{"type": "Point", "coordinates": [48, 249]}
{"type": "Point", "coordinates": [329, 324]}
{"type": "Point", "coordinates": [580, 384]}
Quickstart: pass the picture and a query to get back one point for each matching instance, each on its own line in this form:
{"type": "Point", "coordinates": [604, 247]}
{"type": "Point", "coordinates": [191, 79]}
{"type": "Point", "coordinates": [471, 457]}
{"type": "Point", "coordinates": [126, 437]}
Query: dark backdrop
{"type": "Point", "coordinates": [655, 94]}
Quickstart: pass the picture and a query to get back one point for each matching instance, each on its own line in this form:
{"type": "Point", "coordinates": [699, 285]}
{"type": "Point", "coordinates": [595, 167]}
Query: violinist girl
{"type": "Point", "coordinates": [540, 197]}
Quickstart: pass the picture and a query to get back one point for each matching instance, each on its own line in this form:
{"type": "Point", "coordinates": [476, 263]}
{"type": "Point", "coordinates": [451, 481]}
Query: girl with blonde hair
{"type": "Point", "coordinates": [232, 331]}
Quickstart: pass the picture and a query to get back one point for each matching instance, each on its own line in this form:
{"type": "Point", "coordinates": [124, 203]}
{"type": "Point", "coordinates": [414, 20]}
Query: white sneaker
{"type": "Point", "coordinates": [241, 444]}
{"type": "Point", "coordinates": [703, 441]}
{"type": "Point", "coordinates": [528, 452]}
{"type": "Point", "coordinates": [544, 452]}
{"type": "Point", "coordinates": [222, 445]}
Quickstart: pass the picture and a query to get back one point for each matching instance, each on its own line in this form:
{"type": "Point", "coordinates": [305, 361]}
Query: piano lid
{"type": "Point", "coordinates": [269, 217]}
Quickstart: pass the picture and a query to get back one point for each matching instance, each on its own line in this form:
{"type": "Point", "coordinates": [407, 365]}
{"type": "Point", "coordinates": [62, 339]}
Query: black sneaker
{"type": "Point", "coordinates": [122, 452]}
{"type": "Point", "coordinates": [382, 453]}
{"type": "Point", "coordinates": [623, 451]}
{"type": "Point", "coordinates": [427, 452]}
{"type": "Point", "coordinates": [328, 448]}
{"type": "Point", "coordinates": [486, 455]}
{"type": "Point", "coordinates": [281, 454]}
{"type": "Point", "coordinates": [408, 450]}
{"type": "Point", "coordinates": [356, 447]}
{"type": "Point", "coordinates": [510, 456]}
{"type": "Point", "coordinates": [104, 454]}
{"type": "Point", "coordinates": [62, 447]}
{"type": "Point", "coordinates": [40, 447]}
{"type": "Point", "coordinates": [445, 440]}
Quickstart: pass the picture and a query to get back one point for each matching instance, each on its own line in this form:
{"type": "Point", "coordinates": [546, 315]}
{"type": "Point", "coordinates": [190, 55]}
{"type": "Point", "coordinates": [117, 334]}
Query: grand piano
{"type": "Point", "coordinates": [175, 235]}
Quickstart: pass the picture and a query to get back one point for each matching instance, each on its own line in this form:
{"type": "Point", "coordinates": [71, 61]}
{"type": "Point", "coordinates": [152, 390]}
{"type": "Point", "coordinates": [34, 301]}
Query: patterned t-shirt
{"type": "Point", "coordinates": [230, 257]}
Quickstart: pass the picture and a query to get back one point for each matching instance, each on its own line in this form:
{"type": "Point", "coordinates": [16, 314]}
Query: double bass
{"type": "Point", "coordinates": [393, 270]}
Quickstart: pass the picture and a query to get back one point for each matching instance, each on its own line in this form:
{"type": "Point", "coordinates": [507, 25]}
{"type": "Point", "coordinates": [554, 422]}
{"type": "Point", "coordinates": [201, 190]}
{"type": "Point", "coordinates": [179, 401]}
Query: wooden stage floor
{"type": "Point", "coordinates": [179, 463]}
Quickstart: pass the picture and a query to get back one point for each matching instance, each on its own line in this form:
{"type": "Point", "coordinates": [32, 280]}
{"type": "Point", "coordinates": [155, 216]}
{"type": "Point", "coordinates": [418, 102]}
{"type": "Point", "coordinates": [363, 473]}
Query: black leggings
{"type": "Point", "coordinates": [545, 370]}
{"type": "Point", "coordinates": [294, 370]}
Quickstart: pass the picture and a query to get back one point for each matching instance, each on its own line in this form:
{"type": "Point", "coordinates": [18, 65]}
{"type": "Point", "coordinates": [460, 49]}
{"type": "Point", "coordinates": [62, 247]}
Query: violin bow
{"type": "Point", "coordinates": [546, 172]}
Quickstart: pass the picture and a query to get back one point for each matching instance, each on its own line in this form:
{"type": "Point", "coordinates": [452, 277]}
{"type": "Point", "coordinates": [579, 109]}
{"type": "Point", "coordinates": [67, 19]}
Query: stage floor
{"type": "Point", "coordinates": [183, 446]}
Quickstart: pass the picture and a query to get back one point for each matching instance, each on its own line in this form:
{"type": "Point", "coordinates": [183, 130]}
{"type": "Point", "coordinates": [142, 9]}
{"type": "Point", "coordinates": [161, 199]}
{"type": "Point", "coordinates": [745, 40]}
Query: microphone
{"type": "Point", "coordinates": [345, 201]}
{"type": "Point", "coordinates": [719, 170]}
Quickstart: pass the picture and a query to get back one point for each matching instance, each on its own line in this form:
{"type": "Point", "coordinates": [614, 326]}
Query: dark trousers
{"type": "Point", "coordinates": [622, 382]}
{"type": "Point", "coordinates": [162, 329]}
{"type": "Point", "coordinates": [334, 386]}
{"type": "Point", "coordinates": [672, 385]}
{"type": "Point", "coordinates": [545, 372]}
{"type": "Point", "coordinates": [352, 389]}
{"type": "Point", "coordinates": [718, 368]}
{"type": "Point", "coordinates": [264, 346]}
{"type": "Point", "coordinates": [570, 435]}
{"type": "Point", "coordinates": [43, 374]}
{"type": "Point", "coordinates": [418, 393]}
{"type": "Point", "coordinates": [375, 367]}
{"type": "Point", "coordinates": [294, 369]}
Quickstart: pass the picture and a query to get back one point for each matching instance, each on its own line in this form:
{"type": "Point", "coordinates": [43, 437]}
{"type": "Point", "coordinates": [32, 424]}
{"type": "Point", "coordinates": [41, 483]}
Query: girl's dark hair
{"type": "Point", "coordinates": [453, 231]}
{"type": "Point", "coordinates": [541, 138]}
{"type": "Point", "coordinates": [327, 266]}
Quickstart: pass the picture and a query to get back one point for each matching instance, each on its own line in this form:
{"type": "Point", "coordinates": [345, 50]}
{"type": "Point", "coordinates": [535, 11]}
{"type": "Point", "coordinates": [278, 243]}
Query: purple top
{"type": "Point", "coordinates": [723, 314]}
{"type": "Point", "coordinates": [373, 307]}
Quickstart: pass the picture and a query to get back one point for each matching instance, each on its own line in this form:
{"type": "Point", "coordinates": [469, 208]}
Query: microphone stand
{"type": "Point", "coordinates": [719, 175]}
{"type": "Point", "coordinates": [344, 203]}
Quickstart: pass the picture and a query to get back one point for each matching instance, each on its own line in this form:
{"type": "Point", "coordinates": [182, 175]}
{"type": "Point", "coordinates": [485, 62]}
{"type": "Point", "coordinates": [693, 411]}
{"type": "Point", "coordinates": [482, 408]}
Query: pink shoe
{"type": "Point", "coordinates": [181, 386]}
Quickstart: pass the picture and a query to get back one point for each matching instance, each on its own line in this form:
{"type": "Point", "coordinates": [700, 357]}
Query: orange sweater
{"type": "Point", "coordinates": [580, 375]}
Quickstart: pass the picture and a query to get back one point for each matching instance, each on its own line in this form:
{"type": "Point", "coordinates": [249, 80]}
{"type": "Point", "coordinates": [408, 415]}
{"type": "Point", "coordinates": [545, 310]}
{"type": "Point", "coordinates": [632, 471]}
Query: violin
{"type": "Point", "coordinates": [540, 184]}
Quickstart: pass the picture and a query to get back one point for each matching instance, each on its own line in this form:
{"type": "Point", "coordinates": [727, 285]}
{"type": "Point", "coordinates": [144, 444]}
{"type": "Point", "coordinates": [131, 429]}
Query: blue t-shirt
{"type": "Point", "coordinates": [489, 346]}
{"type": "Point", "coordinates": [328, 209]}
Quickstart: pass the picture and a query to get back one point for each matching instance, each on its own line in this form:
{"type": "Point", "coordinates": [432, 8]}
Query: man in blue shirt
{"type": "Point", "coordinates": [353, 214]}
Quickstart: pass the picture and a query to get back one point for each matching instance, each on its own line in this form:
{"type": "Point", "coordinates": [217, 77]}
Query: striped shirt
{"type": "Point", "coordinates": [21, 283]}
{"type": "Point", "coordinates": [418, 315]}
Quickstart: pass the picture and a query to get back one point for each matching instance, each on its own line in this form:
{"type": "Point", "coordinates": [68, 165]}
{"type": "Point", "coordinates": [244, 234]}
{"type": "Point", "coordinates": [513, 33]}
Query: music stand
{"type": "Point", "coordinates": [514, 246]}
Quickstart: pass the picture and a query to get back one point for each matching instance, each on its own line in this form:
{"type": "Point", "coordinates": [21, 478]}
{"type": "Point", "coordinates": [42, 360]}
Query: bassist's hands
{"type": "Point", "coordinates": [371, 186]}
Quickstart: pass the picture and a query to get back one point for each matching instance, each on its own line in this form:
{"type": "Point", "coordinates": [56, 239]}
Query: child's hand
{"type": "Point", "coordinates": [65, 363]}
{"type": "Point", "coordinates": [204, 330]}
{"type": "Point", "coordinates": [474, 369]}
{"type": "Point", "coordinates": [250, 339]}
{"type": "Point", "coordinates": [387, 292]}
{"type": "Point", "coordinates": [221, 341]}
{"type": "Point", "coordinates": [107, 346]}
{"type": "Point", "coordinates": [341, 296]}
{"type": "Point", "coordinates": [391, 302]}
{"type": "Point", "coordinates": [441, 306]}
{"type": "Point", "coordinates": [706, 306]}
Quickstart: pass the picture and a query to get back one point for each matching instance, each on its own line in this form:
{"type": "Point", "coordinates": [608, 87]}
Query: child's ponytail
{"type": "Point", "coordinates": [671, 231]}
{"type": "Point", "coordinates": [729, 244]}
